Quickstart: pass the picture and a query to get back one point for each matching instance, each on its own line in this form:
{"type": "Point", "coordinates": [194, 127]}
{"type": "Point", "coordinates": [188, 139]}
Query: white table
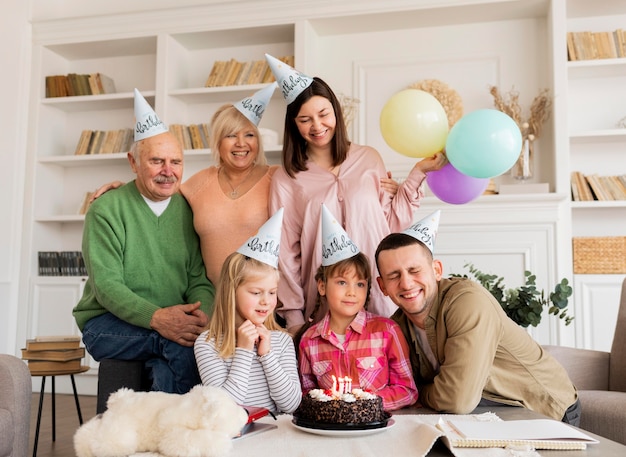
{"type": "Point", "coordinates": [398, 440]}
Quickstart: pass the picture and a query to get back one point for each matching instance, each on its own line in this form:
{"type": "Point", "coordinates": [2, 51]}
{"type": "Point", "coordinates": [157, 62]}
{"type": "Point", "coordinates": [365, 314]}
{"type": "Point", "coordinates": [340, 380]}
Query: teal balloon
{"type": "Point", "coordinates": [484, 143]}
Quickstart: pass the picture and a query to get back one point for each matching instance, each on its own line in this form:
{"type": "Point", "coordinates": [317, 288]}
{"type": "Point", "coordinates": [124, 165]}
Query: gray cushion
{"type": "Point", "coordinates": [604, 413]}
{"type": "Point", "coordinates": [7, 432]}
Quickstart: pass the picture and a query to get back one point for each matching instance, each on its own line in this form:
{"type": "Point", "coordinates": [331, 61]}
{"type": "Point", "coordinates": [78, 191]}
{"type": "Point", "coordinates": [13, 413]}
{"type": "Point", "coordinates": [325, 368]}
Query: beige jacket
{"type": "Point", "coordinates": [483, 354]}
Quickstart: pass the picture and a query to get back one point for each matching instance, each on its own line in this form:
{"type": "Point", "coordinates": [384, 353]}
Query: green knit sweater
{"type": "Point", "coordinates": [138, 262]}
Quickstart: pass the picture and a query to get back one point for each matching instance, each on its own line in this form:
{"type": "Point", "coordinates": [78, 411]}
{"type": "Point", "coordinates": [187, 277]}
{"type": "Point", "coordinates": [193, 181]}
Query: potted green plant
{"type": "Point", "coordinates": [524, 304]}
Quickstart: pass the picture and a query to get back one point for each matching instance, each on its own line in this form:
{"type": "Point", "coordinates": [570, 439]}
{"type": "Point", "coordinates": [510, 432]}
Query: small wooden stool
{"type": "Point", "coordinates": [53, 374]}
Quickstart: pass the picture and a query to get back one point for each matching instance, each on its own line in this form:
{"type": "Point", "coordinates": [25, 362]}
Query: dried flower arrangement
{"type": "Point", "coordinates": [448, 97]}
{"type": "Point", "coordinates": [531, 128]}
{"type": "Point", "coordinates": [539, 110]}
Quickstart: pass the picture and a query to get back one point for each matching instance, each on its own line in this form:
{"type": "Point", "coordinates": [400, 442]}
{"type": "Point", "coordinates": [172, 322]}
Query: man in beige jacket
{"type": "Point", "coordinates": [464, 348]}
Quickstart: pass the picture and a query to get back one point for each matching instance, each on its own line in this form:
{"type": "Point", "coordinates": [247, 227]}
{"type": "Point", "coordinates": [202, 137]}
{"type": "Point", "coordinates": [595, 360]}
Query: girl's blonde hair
{"type": "Point", "coordinates": [236, 271]}
{"type": "Point", "coordinates": [226, 121]}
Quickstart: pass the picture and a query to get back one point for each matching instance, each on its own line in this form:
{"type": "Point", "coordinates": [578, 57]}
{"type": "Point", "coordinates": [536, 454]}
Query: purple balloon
{"type": "Point", "coordinates": [451, 186]}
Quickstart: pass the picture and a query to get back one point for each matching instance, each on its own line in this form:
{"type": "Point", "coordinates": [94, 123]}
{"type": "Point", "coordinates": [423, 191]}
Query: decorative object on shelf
{"type": "Point", "coordinates": [448, 97]}
{"type": "Point", "coordinates": [525, 304]}
{"type": "Point", "coordinates": [348, 108]}
{"type": "Point", "coordinates": [621, 124]}
{"type": "Point", "coordinates": [540, 110]}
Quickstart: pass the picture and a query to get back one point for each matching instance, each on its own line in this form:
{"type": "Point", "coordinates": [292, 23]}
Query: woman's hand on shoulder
{"type": "Point", "coordinates": [432, 163]}
{"type": "Point", "coordinates": [105, 188]}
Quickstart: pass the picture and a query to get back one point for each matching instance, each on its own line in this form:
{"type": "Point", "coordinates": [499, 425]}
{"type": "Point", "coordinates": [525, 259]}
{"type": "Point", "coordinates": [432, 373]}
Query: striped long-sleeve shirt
{"type": "Point", "coordinates": [270, 381]}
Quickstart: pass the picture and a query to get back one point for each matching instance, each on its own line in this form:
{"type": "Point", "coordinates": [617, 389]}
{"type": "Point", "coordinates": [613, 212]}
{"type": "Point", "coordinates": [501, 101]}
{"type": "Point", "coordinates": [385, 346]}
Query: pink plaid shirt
{"type": "Point", "coordinates": [374, 355]}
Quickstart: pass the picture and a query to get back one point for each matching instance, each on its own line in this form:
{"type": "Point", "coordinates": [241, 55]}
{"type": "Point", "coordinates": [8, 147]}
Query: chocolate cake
{"type": "Point", "coordinates": [355, 408]}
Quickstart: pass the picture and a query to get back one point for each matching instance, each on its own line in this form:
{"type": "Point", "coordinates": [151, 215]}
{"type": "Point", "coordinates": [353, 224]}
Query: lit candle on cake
{"type": "Point", "coordinates": [334, 388]}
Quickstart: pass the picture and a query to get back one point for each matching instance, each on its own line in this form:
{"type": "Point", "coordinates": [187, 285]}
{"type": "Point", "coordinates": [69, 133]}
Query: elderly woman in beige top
{"type": "Point", "coordinates": [230, 200]}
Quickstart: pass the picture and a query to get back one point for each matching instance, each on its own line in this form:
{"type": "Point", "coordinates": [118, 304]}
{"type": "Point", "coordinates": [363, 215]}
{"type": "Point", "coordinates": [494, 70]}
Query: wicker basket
{"type": "Point", "coordinates": [604, 255]}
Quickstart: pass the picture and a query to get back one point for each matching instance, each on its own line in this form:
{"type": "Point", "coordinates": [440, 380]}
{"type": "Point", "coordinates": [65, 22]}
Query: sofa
{"type": "Point", "coordinates": [15, 395]}
{"type": "Point", "coordinates": [600, 378]}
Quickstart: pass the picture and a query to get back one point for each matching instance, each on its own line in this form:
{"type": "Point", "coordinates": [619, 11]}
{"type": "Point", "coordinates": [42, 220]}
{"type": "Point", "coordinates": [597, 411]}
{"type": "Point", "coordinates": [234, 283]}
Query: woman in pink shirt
{"type": "Point", "coordinates": [321, 165]}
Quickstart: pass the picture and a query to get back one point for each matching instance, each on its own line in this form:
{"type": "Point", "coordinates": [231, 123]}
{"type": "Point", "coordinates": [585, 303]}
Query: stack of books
{"type": "Point", "coordinates": [234, 73]}
{"type": "Point", "coordinates": [93, 142]}
{"type": "Point", "coordinates": [74, 84]}
{"type": "Point", "coordinates": [61, 263]}
{"type": "Point", "coordinates": [57, 354]}
{"type": "Point", "coordinates": [596, 45]}
{"type": "Point", "coordinates": [601, 188]}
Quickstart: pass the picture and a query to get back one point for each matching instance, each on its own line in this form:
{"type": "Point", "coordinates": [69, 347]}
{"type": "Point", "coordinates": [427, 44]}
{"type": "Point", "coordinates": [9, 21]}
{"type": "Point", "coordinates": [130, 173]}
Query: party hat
{"type": "Point", "coordinates": [290, 81]}
{"type": "Point", "coordinates": [336, 244]}
{"type": "Point", "coordinates": [254, 106]}
{"type": "Point", "coordinates": [147, 123]}
{"type": "Point", "coordinates": [425, 230]}
{"type": "Point", "coordinates": [265, 244]}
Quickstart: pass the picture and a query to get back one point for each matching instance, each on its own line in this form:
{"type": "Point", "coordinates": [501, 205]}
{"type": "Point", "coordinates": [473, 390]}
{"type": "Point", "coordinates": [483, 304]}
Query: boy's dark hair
{"type": "Point", "coordinates": [360, 263]}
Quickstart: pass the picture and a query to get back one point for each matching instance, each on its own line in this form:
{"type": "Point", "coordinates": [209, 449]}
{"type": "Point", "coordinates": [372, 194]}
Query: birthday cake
{"type": "Point", "coordinates": [344, 407]}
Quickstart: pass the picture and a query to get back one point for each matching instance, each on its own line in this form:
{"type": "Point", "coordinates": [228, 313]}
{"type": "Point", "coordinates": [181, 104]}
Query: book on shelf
{"type": "Point", "coordinates": [196, 137]}
{"type": "Point", "coordinates": [597, 188]}
{"type": "Point", "coordinates": [53, 342]}
{"type": "Point", "coordinates": [121, 140]}
{"type": "Point", "coordinates": [580, 187]}
{"type": "Point", "coordinates": [206, 133]}
{"type": "Point", "coordinates": [103, 84]}
{"type": "Point", "coordinates": [257, 71]}
{"type": "Point", "coordinates": [233, 73]}
{"type": "Point", "coordinates": [56, 355]}
{"type": "Point", "coordinates": [84, 207]}
{"type": "Point", "coordinates": [108, 141]}
{"type": "Point", "coordinates": [538, 433]}
{"type": "Point", "coordinates": [83, 142]}
{"type": "Point", "coordinates": [96, 142]}
{"type": "Point", "coordinates": [44, 366]}
{"type": "Point", "coordinates": [244, 73]}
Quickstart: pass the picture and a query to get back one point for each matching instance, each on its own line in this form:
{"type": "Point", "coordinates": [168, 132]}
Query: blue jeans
{"type": "Point", "coordinates": [172, 366]}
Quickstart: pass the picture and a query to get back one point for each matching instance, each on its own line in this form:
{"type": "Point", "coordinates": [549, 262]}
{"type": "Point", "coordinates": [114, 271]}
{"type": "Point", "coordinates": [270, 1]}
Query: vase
{"type": "Point", "coordinates": [523, 168]}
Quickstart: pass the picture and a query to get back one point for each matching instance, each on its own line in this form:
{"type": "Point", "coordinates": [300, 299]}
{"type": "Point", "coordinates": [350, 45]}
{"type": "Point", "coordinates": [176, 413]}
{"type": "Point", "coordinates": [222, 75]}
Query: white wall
{"type": "Point", "coordinates": [15, 39]}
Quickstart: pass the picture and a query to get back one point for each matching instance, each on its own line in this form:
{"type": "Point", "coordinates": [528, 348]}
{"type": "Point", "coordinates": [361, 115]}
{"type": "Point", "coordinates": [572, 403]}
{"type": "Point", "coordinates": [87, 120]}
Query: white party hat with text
{"type": "Point", "coordinates": [254, 106]}
{"type": "Point", "coordinates": [336, 244]}
{"type": "Point", "coordinates": [265, 244]}
{"type": "Point", "coordinates": [290, 81]}
{"type": "Point", "coordinates": [147, 123]}
{"type": "Point", "coordinates": [425, 230]}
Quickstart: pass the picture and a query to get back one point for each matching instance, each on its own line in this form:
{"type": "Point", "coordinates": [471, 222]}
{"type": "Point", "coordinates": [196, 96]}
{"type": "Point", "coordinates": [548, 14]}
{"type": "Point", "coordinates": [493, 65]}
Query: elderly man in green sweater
{"type": "Point", "coordinates": [147, 296]}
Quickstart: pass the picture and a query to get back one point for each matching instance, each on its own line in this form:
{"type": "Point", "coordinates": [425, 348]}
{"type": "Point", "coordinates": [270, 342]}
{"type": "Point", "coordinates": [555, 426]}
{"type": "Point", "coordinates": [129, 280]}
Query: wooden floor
{"type": "Point", "coordinates": [66, 423]}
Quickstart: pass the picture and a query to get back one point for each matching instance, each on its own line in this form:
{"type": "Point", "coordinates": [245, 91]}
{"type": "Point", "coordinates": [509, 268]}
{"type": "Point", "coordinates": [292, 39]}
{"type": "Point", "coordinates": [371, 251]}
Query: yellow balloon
{"type": "Point", "coordinates": [414, 123]}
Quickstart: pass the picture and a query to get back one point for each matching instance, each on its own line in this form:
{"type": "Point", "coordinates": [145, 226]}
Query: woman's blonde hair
{"type": "Point", "coordinates": [236, 271]}
{"type": "Point", "coordinates": [226, 121]}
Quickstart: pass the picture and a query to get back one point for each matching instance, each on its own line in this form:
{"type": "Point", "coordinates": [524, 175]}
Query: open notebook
{"type": "Point", "coordinates": [538, 433]}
